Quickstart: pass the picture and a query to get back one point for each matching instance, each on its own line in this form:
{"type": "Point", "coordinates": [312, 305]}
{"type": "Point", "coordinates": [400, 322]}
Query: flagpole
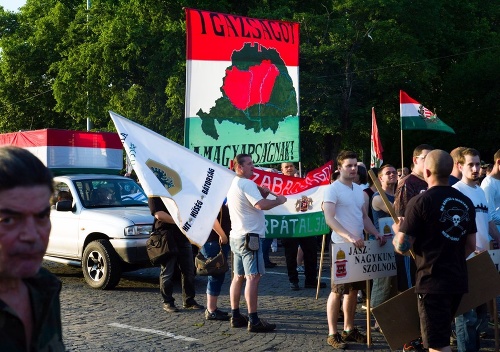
{"type": "Point", "coordinates": [402, 162]}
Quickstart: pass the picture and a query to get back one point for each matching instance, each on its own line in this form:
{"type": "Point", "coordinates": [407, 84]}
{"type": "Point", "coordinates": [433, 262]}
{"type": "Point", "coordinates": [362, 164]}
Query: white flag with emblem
{"type": "Point", "coordinates": [192, 187]}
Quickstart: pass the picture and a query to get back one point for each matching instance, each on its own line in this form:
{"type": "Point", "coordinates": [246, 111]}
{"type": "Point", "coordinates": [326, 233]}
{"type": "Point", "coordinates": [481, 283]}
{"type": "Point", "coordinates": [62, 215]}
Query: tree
{"type": "Point", "coordinates": [60, 64]}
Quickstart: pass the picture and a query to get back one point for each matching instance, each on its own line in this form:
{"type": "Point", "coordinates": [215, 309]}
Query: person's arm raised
{"type": "Point", "coordinates": [266, 204]}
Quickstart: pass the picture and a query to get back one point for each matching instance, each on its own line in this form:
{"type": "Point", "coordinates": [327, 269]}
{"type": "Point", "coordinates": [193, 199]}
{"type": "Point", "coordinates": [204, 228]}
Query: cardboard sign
{"type": "Point", "coordinates": [351, 264]}
{"type": "Point", "coordinates": [398, 317]}
{"type": "Point", "coordinates": [495, 257]}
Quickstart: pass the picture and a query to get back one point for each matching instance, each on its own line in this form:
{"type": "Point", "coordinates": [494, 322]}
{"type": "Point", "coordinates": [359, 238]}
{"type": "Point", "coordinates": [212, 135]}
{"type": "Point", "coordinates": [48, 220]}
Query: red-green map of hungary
{"type": "Point", "coordinates": [257, 92]}
{"type": "Point", "coordinates": [241, 87]}
{"type": "Point", "coordinates": [245, 88]}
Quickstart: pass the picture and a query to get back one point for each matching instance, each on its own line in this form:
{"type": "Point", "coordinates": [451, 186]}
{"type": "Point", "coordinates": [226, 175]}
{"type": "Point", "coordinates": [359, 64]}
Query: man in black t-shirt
{"type": "Point", "coordinates": [440, 226]}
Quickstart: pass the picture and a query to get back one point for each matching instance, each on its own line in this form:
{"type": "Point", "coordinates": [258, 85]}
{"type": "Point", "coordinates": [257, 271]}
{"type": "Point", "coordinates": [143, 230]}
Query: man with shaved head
{"type": "Point", "coordinates": [440, 227]}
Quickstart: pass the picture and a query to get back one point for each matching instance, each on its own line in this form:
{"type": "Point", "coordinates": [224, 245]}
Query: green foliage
{"type": "Point", "coordinates": [61, 64]}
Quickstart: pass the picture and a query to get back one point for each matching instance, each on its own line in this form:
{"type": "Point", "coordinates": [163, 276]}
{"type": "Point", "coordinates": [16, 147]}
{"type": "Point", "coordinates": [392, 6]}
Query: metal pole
{"type": "Point", "coordinates": [89, 122]}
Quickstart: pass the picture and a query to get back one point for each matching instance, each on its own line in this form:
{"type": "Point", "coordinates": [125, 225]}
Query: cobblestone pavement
{"type": "Point", "coordinates": [130, 317]}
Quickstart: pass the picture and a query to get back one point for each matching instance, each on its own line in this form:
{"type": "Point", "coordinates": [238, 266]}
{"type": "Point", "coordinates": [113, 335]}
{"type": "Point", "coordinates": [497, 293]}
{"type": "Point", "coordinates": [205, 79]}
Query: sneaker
{"type": "Point", "coordinates": [414, 345]}
{"type": "Point", "coordinates": [336, 341]}
{"type": "Point", "coordinates": [261, 326]}
{"type": "Point", "coordinates": [170, 307]}
{"type": "Point", "coordinates": [217, 315]}
{"type": "Point", "coordinates": [294, 286]}
{"type": "Point", "coordinates": [239, 322]}
{"type": "Point", "coordinates": [192, 305]}
{"type": "Point", "coordinates": [300, 269]}
{"type": "Point", "coordinates": [354, 336]}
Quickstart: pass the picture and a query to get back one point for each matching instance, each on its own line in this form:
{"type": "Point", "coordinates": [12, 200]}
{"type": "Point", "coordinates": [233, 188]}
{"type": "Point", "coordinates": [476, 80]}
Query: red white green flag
{"type": "Point", "coordinates": [301, 215]}
{"type": "Point", "coordinates": [415, 116]}
{"type": "Point", "coordinates": [242, 87]}
{"type": "Point", "coordinates": [376, 144]}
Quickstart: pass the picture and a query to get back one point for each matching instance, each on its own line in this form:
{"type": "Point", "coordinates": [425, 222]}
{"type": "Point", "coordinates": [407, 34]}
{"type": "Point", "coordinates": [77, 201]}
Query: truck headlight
{"type": "Point", "coordinates": [138, 230]}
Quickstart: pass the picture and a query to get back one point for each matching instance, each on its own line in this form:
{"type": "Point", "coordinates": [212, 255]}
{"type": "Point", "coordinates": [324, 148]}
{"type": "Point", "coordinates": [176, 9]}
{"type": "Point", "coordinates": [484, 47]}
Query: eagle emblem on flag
{"type": "Point", "coordinates": [303, 204]}
{"type": "Point", "coordinates": [426, 114]}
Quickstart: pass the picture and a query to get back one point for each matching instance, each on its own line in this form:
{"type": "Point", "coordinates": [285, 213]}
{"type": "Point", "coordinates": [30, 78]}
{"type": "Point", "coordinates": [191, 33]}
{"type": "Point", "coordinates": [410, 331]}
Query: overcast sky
{"type": "Point", "coordinates": [12, 5]}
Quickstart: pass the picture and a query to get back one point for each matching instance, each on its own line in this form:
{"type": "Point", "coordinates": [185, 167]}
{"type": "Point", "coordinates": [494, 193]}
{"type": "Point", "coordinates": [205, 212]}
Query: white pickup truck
{"type": "Point", "coordinates": [100, 222]}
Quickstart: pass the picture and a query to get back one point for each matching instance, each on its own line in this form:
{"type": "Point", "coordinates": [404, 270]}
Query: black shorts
{"type": "Point", "coordinates": [436, 313]}
{"type": "Point", "coordinates": [345, 289]}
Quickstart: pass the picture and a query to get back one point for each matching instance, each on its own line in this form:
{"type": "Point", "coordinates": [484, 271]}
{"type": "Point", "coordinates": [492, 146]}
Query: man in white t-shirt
{"type": "Point", "coordinates": [347, 217]}
{"type": "Point", "coordinates": [474, 321]}
{"type": "Point", "coordinates": [246, 202]}
{"type": "Point", "coordinates": [491, 187]}
{"type": "Point", "coordinates": [469, 165]}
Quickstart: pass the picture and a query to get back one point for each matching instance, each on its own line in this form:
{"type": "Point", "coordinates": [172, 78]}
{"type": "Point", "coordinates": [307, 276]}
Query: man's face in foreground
{"type": "Point", "coordinates": [24, 230]}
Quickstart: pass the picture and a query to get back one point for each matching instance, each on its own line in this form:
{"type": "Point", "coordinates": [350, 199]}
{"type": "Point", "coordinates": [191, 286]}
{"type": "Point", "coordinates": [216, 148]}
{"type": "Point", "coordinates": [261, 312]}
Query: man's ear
{"type": "Point", "coordinates": [427, 172]}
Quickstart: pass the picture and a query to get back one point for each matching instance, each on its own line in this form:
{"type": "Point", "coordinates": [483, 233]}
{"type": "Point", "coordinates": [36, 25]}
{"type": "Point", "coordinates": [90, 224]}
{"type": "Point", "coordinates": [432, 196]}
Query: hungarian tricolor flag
{"type": "Point", "coordinates": [415, 116]}
{"type": "Point", "coordinates": [301, 215]}
{"type": "Point", "coordinates": [376, 144]}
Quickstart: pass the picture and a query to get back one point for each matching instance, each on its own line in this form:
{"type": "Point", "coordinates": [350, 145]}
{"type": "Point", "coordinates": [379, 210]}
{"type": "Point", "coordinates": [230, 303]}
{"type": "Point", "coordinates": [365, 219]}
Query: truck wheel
{"type": "Point", "coordinates": [101, 265]}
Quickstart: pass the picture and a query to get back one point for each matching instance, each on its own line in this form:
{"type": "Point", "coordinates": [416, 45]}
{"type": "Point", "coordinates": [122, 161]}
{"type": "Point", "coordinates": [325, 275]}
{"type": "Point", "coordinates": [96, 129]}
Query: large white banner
{"type": "Point", "coordinates": [193, 188]}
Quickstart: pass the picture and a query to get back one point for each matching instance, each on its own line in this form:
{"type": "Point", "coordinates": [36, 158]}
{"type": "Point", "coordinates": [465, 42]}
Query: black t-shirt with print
{"type": "Point", "coordinates": [440, 220]}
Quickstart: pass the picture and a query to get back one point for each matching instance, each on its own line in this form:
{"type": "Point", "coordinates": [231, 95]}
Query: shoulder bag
{"type": "Point", "coordinates": [160, 246]}
{"type": "Point", "coordinates": [211, 266]}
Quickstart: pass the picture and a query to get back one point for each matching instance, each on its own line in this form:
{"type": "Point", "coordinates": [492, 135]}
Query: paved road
{"type": "Point", "coordinates": [130, 318]}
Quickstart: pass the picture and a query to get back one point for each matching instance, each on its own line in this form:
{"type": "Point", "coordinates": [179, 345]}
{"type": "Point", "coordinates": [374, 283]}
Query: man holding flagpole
{"type": "Point", "coordinates": [246, 202]}
{"type": "Point", "coordinates": [409, 187]}
{"type": "Point", "coordinates": [182, 187]}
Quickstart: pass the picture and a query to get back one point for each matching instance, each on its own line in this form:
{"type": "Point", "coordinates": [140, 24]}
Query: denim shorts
{"type": "Point", "coordinates": [246, 262]}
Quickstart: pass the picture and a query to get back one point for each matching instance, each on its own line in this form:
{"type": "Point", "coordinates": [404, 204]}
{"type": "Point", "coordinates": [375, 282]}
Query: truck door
{"type": "Point", "coordinates": [63, 238]}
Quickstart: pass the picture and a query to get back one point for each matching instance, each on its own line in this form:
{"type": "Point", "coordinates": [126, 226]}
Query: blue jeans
{"type": "Point", "coordinates": [266, 246]}
{"type": "Point", "coordinates": [211, 249]}
{"type": "Point", "coordinates": [185, 261]}
{"type": "Point", "coordinates": [246, 262]}
{"type": "Point", "coordinates": [468, 326]}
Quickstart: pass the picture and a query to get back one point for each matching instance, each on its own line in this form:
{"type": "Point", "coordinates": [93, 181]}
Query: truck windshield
{"type": "Point", "coordinates": [99, 193]}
